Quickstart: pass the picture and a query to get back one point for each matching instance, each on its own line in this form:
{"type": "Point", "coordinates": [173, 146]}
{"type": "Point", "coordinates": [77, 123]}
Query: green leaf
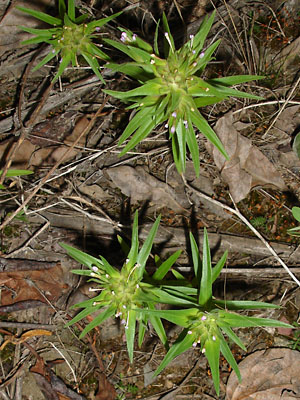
{"type": "Point", "coordinates": [131, 69]}
{"type": "Point", "coordinates": [156, 51]}
{"type": "Point", "coordinates": [134, 249]}
{"type": "Point", "coordinates": [84, 313]}
{"type": "Point", "coordinates": [295, 212]}
{"type": "Point", "coordinates": [243, 304]}
{"type": "Point", "coordinates": [146, 248]}
{"type": "Point", "coordinates": [150, 88]}
{"type": "Point", "coordinates": [166, 42]}
{"type": "Point", "coordinates": [183, 343]}
{"type": "Point", "coordinates": [296, 145]}
{"type": "Point", "coordinates": [226, 91]}
{"type": "Point", "coordinates": [229, 332]}
{"type": "Point", "coordinates": [177, 317]}
{"type": "Point", "coordinates": [100, 22]}
{"type": "Point", "coordinates": [41, 16]}
{"type": "Point", "coordinates": [93, 63]}
{"type": "Point", "coordinates": [242, 321]}
{"type": "Point", "coordinates": [229, 357]}
{"type": "Point", "coordinates": [195, 257]}
{"type": "Point", "coordinates": [164, 268]}
{"type": "Point", "coordinates": [219, 266]}
{"type": "Point", "coordinates": [130, 332]}
{"type": "Point", "coordinates": [207, 131]}
{"type": "Point", "coordinates": [158, 326]}
{"type": "Point", "coordinates": [109, 312]}
{"type": "Point", "coordinates": [81, 257]}
{"type": "Point", "coordinates": [212, 353]}
{"type": "Point", "coordinates": [205, 294]}
{"type": "Point", "coordinates": [124, 246]}
{"type": "Point", "coordinates": [237, 79]}
{"type": "Point", "coordinates": [71, 10]}
{"type": "Point", "coordinates": [61, 8]}
{"type": "Point", "coordinates": [16, 172]}
{"type": "Point", "coordinates": [142, 329]}
{"type": "Point", "coordinates": [64, 62]}
{"type": "Point", "coordinates": [46, 59]}
{"type": "Point", "coordinates": [43, 34]}
{"type": "Point", "coordinates": [110, 270]}
{"type": "Point", "coordinates": [205, 27]}
{"type": "Point", "coordinates": [139, 135]}
{"type": "Point", "coordinates": [193, 147]}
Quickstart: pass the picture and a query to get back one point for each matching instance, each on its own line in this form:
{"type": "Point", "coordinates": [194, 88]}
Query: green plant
{"type": "Point", "coordinates": [206, 322]}
{"type": "Point", "coordinates": [14, 172]}
{"type": "Point", "coordinates": [296, 214]}
{"type": "Point", "coordinates": [126, 291]}
{"type": "Point", "coordinates": [172, 89]}
{"type": "Point", "coordinates": [125, 388]}
{"type": "Point", "coordinates": [71, 36]}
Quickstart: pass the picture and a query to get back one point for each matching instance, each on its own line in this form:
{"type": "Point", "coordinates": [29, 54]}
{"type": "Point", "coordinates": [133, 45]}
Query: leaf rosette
{"type": "Point", "coordinates": [209, 321]}
{"type": "Point", "coordinates": [172, 89]}
{"type": "Point", "coordinates": [123, 292]}
{"type": "Point", "coordinates": [70, 37]}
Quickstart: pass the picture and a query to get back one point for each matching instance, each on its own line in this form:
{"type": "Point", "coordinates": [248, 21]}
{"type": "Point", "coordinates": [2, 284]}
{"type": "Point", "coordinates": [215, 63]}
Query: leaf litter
{"type": "Point", "coordinates": [145, 186]}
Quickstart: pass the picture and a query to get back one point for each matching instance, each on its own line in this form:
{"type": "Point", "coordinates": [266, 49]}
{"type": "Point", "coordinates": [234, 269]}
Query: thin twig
{"type": "Point", "coordinates": [43, 181]}
{"type": "Point", "coordinates": [66, 360]}
{"type": "Point", "coordinates": [28, 241]}
{"type": "Point", "coordinates": [26, 325]}
{"type": "Point", "coordinates": [282, 108]}
{"type": "Point", "coordinates": [236, 212]}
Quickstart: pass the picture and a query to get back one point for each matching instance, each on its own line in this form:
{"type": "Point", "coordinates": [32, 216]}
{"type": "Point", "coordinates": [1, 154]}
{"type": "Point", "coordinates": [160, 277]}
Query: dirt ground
{"type": "Point", "coordinates": [83, 194]}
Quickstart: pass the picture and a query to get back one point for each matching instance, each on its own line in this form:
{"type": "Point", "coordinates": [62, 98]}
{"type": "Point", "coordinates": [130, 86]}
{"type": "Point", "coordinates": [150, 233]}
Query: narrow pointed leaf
{"type": "Point", "coordinates": [147, 246]}
{"type": "Point", "coordinates": [134, 249]}
{"type": "Point", "coordinates": [71, 10]}
{"type": "Point", "coordinates": [183, 343]}
{"type": "Point", "coordinates": [229, 332]}
{"type": "Point", "coordinates": [219, 266]}
{"type": "Point", "coordinates": [130, 333]}
{"type": "Point", "coordinates": [205, 293]}
{"type": "Point", "coordinates": [41, 16]}
{"type": "Point", "coordinates": [225, 350]}
{"type": "Point", "coordinates": [164, 268]}
{"type": "Point", "coordinates": [212, 353]}
{"type": "Point", "coordinates": [84, 313]}
{"type": "Point", "coordinates": [98, 320]}
{"type": "Point", "coordinates": [195, 257]}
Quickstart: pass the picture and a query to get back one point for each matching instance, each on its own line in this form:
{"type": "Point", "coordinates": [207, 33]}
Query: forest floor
{"type": "Point", "coordinates": [88, 196]}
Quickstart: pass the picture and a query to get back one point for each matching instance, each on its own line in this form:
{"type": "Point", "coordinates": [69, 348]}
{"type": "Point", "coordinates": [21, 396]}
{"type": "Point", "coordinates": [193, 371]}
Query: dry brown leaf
{"type": "Point", "coordinates": [41, 148]}
{"type": "Point", "coordinates": [22, 285]}
{"type": "Point", "coordinates": [267, 375]}
{"type": "Point", "coordinates": [141, 186]}
{"type": "Point", "coordinates": [247, 167]}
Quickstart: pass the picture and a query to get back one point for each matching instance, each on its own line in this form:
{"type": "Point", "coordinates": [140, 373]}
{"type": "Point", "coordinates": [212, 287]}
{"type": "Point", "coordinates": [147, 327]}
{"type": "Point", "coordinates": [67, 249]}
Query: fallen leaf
{"type": "Point", "coordinates": [247, 167]}
{"type": "Point", "coordinates": [137, 184]}
{"type": "Point", "coordinates": [29, 281]}
{"type": "Point", "coordinates": [267, 375]}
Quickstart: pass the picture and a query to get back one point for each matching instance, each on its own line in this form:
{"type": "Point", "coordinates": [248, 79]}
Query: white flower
{"type": "Point", "coordinates": [123, 37]}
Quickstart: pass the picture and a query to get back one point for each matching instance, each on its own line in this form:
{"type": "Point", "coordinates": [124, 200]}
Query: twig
{"type": "Point", "coordinates": [66, 360]}
{"type": "Point", "coordinates": [16, 145]}
{"type": "Point", "coordinates": [28, 241]}
{"type": "Point", "coordinates": [282, 108]}
{"type": "Point", "coordinates": [236, 212]}
{"type": "Point", "coordinates": [26, 325]}
{"type": "Point", "coordinates": [83, 133]}
{"type": "Point", "coordinates": [266, 103]}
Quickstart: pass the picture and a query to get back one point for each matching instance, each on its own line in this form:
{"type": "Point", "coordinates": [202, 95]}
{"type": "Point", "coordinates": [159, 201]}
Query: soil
{"type": "Point", "coordinates": [88, 197]}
